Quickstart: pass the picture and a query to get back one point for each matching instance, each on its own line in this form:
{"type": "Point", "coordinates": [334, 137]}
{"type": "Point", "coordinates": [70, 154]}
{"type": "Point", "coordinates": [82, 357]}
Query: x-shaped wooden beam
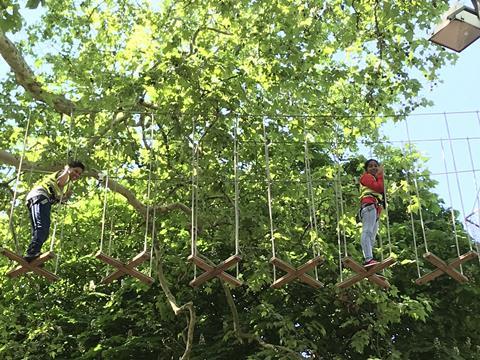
{"type": "Point", "coordinates": [446, 268]}
{"type": "Point", "coordinates": [293, 273]}
{"type": "Point", "coordinates": [215, 271]}
{"type": "Point", "coordinates": [126, 268]}
{"type": "Point", "coordinates": [369, 273]}
{"type": "Point", "coordinates": [33, 266]}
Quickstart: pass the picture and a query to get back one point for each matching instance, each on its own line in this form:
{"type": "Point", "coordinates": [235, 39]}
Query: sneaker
{"type": "Point", "coordinates": [370, 263]}
{"type": "Point", "coordinates": [31, 257]}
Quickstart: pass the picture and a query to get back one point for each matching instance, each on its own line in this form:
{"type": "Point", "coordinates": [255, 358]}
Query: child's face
{"type": "Point", "coordinates": [372, 168]}
{"type": "Point", "coordinates": [75, 173]}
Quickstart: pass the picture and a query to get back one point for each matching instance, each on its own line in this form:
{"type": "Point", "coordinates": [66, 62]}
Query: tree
{"type": "Point", "coordinates": [94, 79]}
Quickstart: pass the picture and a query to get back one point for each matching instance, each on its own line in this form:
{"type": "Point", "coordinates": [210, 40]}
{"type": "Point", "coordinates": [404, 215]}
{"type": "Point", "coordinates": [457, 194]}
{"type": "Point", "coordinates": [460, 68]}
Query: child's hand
{"type": "Point", "coordinates": [380, 170]}
{"type": "Point", "coordinates": [66, 196]}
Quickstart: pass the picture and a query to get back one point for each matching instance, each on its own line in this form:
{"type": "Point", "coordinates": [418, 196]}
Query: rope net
{"type": "Point", "coordinates": [472, 222]}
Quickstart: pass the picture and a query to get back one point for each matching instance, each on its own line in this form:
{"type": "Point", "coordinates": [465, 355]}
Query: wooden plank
{"type": "Point", "coordinates": [226, 264]}
{"type": "Point", "coordinates": [137, 260]}
{"type": "Point", "coordinates": [134, 273]}
{"type": "Point", "coordinates": [307, 279]}
{"type": "Point", "coordinates": [440, 270]}
{"type": "Point", "coordinates": [371, 270]}
{"type": "Point", "coordinates": [199, 280]}
{"type": "Point", "coordinates": [376, 279]}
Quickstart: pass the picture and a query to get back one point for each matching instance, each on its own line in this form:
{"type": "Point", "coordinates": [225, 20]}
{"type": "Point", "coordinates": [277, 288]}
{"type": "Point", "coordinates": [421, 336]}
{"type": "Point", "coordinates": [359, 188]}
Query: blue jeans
{"type": "Point", "coordinates": [39, 210]}
{"type": "Point", "coordinates": [368, 215]}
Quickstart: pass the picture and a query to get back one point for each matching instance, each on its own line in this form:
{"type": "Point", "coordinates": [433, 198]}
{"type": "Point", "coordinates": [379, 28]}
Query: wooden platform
{"type": "Point", "coordinates": [125, 268]}
{"type": "Point", "coordinates": [369, 273]}
{"type": "Point", "coordinates": [446, 268]}
{"type": "Point", "coordinates": [299, 273]}
{"type": "Point", "coordinates": [33, 266]}
{"type": "Point", "coordinates": [217, 271]}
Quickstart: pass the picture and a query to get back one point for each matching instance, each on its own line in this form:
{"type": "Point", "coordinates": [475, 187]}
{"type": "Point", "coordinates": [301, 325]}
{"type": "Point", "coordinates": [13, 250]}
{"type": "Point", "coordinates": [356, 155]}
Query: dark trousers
{"type": "Point", "coordinates": [39, 210]}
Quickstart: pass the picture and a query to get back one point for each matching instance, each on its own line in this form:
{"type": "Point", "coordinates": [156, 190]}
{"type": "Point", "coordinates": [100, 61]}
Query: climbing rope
{"type": "Point", "coordinates": [17, 182]}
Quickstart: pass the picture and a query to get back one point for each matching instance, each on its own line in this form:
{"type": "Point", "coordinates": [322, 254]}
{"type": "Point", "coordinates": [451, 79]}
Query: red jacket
{"type": "Point", "coordinates": [374, 183]}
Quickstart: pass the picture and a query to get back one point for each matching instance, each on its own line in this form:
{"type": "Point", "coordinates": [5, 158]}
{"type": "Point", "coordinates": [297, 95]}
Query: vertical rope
{"type": "Point", "coordinates": [417, 192]}
{"type": "Point", "coordinates": [476, 187]}
{"type": "Point", "coordinates": [154, 218]}
{"type": "Point", "coordinates": [475, 181]}
{"type": "Point", "coordinates": [311, 197]}
{"type": "Point", "coordinates": [149, 182]}
{"type": "Point", "coordinates": [387, 216]}
{"type": "Point", "coordinates": [412, 222]}
{"type": "Point", "coordinates": [380, 238]}
{"type": "Point", "coordinates": [339, 236]}
{"type": "Point", "coordinates": [193, 229]}
{"type": "Point", "coordinates": [104, 212]}
{"type": "Point", "coordinates": [17, 181]}
{"type": "Point", "coordinates": [269, 194]}
{"type": "Point", "coordinates": [456, 174]}
{"type": "Point", "coordinates": [105, 201]}
{"type": "Point", "coordinates": [236, 189]}
{"type": "Point", "coordinates": [62, 207]}
{"type": "Point", "coordinates": [112, 230]}
{"type": "Point", "coordinates": [342, 210]}
{"type": "Point", "coordinates": [452, 212]}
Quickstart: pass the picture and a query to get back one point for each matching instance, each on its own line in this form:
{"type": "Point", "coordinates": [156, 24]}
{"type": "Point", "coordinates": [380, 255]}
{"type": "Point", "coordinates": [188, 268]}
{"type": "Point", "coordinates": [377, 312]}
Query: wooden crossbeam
{"type": "Point", "coordinates": [446, 268]}
{"type": "Point", "coordinates": [33, 266]}
{"type": "Point", "coordinates": [126, 268]}
{"type": "Point", "coordinates": [215, 271]}
{"type": "Point", "coordinates": [299, 273]}
{"type": "Point", "coordinates": [369, 273]}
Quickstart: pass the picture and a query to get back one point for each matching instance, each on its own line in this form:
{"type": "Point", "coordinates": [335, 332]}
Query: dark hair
{"type": "Point", "coordinates": [76, 163]}
{"type": "Point", "coordinates": [365, 166]}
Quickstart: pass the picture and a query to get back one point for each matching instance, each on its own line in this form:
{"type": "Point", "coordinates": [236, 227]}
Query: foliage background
{"type": "Point", "coordinates": [94, 79]}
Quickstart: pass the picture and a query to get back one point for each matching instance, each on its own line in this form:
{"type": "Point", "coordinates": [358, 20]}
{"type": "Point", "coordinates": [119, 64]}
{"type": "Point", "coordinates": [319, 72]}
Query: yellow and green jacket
{"type": "Point", "coordinates": [48, 186]}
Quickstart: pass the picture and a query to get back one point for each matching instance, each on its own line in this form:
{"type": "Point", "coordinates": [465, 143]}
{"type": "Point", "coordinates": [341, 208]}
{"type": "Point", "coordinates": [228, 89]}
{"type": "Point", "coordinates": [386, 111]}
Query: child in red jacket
{"type": "Point", "coordinates": [371, 199]}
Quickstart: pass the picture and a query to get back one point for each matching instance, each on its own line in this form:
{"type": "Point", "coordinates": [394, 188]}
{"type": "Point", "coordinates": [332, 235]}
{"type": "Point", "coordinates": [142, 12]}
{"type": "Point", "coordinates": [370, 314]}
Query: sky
{"type": "Point", "coordinates": [456, 102]}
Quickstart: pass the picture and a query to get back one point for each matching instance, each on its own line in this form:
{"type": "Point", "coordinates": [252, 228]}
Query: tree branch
{"type": "Point", "coordinates": [117, 119]}
{"type": "Point", "coordinates": [27, 79]}
{"type": "Point", "coordinates": [250, 337]}
{"type": "Point", "coordinates": [187, 307]}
